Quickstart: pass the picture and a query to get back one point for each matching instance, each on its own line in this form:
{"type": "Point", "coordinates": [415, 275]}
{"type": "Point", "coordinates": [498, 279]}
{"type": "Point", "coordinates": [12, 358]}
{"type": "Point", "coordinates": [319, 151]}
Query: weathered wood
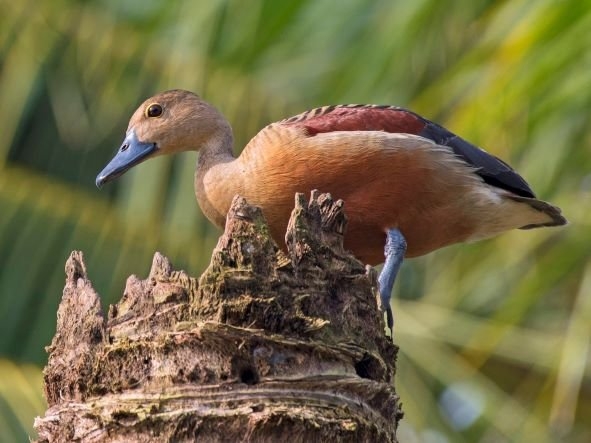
{"type": "Point", "coordinates": [267, 346]}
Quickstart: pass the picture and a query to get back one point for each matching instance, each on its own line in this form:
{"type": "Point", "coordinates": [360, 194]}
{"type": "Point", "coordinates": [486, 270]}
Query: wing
{"type": "Point", "coordinates": [393, 119]}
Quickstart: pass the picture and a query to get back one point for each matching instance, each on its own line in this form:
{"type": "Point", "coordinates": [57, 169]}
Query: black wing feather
{"type": "Point", "coordinates": [493, 170]}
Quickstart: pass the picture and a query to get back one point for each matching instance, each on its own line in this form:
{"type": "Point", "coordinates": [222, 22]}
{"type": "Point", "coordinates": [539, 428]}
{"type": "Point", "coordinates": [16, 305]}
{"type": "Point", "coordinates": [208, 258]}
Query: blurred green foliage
{"type": "Point", "coordinates": [494, 336]}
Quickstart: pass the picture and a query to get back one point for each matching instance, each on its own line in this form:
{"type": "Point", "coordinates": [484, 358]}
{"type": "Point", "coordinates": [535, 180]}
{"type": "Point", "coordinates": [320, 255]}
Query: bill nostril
{"type": "Point", "coordinates": [124, 147]}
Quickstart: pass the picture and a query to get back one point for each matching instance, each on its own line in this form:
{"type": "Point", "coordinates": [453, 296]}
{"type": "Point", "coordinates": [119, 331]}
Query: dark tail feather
{"type": "Point", "coordinates": [551, 211]}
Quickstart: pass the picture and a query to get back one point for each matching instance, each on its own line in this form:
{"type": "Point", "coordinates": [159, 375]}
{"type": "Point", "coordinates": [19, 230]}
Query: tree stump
{"type": "Point", "coordinates": [267, 346]}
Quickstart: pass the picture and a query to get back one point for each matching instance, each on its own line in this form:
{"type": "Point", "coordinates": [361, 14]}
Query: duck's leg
{"type": "Point", "coordinates": [394, 252]}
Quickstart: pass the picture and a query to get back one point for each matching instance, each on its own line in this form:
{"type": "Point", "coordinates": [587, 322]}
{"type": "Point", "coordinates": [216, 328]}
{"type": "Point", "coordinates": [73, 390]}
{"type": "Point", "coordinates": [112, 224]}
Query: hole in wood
{"type": "Point", "coordinates": [366, 368]}
{"type": "Point", "coordinates": [249, 376]}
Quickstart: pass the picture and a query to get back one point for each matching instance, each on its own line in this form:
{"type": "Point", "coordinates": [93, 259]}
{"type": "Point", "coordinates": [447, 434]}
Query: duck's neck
{"type": "Point", "coordinates": [217, 177]}
{"type": "Point", "coordinates": [216, 149]}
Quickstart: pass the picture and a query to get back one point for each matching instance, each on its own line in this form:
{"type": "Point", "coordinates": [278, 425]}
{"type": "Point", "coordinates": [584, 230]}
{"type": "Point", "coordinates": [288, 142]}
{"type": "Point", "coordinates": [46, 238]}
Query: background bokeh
{"type": "Point", "coordinates": [494, 337]}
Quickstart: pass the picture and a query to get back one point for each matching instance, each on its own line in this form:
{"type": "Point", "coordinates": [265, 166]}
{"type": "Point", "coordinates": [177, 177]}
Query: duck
{"type": "Point", "coordinates": [410, 186]}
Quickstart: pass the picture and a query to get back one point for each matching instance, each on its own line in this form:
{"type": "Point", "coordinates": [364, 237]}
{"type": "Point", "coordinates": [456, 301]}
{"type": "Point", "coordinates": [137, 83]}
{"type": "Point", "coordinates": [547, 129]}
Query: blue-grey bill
{"type": "Point", "coordinates": [131, 152]}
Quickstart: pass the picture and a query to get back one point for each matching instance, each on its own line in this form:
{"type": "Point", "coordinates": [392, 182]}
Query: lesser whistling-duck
{"type": "Point", "coordinates": [410, 186]}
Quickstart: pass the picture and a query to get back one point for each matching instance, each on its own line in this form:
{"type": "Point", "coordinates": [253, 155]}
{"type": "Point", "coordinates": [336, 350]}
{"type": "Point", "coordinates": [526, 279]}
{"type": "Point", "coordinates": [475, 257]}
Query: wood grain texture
{"type": "Point", "coordinates": [263, 346]}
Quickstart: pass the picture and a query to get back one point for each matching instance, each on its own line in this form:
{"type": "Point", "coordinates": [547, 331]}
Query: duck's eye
{"type": "Point", "coordinates": [154, 110]}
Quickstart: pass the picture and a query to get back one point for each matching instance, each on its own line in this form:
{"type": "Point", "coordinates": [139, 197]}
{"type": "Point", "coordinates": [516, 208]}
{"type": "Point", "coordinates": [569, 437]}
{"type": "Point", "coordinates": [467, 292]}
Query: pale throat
{"type": "Point", "coordinates": [218, 178]}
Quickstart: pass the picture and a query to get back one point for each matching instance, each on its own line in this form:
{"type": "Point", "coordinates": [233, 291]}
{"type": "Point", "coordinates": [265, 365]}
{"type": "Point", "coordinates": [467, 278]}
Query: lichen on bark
{"type": "Point", "coordinates": [266, 345]}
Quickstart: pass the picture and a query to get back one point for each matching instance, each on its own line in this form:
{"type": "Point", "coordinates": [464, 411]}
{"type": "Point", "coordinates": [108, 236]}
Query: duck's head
{"type": "Point", "coordinates": [170, 122]}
